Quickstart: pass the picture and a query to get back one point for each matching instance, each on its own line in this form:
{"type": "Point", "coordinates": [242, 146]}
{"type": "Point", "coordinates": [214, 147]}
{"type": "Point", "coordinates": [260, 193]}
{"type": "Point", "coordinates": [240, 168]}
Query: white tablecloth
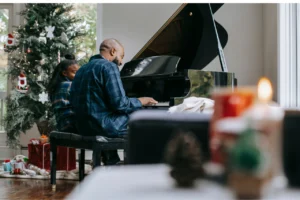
{"type": "Point", "coordinates": [152, 182]}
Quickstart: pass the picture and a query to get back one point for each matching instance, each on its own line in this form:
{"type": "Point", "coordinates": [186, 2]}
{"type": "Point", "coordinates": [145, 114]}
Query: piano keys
{"type": "Point", "coordinates": [170, 66]}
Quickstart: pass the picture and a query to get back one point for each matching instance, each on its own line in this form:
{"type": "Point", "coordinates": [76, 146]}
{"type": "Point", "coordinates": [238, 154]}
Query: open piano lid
{"type": "Point", "coordinates": [188, 34]}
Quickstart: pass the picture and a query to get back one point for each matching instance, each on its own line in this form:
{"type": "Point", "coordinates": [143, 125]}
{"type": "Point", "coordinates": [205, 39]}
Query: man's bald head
{"type": "Point", "coordinates": [107, 44]}
{"type": "Point", "coordinates": [112, 50]}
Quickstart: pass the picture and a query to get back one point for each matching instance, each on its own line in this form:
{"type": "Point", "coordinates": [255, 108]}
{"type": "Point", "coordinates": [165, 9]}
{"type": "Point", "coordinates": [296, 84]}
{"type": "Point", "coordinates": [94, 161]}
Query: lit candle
{"type": "Point", "coordinates": [264, 90]}
{"type": "Point", "coordinates": [268, 120]}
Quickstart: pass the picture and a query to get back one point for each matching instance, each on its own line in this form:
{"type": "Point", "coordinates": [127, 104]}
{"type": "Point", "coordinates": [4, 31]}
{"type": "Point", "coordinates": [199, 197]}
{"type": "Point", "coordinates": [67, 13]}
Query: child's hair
{"type": "Point", "coordinates": [57, 76]}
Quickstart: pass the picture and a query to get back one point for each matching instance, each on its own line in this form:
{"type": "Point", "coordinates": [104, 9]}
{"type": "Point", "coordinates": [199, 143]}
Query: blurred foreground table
{"type": "Point", "coordinates": [153, 182]}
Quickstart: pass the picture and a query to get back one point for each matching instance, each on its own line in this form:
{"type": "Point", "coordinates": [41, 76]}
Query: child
{"type": "Point", "coordinates": [59, 92]}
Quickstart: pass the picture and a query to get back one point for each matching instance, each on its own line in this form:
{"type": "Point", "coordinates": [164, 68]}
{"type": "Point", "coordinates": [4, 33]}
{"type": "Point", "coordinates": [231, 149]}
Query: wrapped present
{"type": "Point", "coordinates": [39, 155]}
{"type": "Point", "coordinates": [18, 167]}
{"type": "Point", "coordinates": [6, 165]}
{"type": "Point", "coordinates": [66, 158]}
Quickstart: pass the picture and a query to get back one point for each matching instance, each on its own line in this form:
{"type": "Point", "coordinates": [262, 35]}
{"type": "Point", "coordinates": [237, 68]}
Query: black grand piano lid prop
{"type": "Point", "coordinates": [180, 49]}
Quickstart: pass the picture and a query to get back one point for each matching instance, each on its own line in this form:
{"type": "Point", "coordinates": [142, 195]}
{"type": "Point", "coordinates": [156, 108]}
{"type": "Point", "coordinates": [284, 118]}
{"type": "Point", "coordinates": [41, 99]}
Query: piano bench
{"type": "Point", "coordinates": [94, 143]}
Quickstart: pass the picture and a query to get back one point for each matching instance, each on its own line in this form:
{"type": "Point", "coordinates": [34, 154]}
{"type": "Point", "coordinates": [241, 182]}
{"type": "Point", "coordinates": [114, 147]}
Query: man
{"type": "Point", "coordinates": [97, 94]}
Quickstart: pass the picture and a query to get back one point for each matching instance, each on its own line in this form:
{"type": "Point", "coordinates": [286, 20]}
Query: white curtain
{"type": "Point", "coordinates": [289, 55]}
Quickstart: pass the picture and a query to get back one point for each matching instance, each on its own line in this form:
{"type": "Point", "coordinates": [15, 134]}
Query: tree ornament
{"type": "Point", "coordinates": [10, 40]}
{"type": "Point", "coordinates": [55, 11]}
{"type": "Point", "coordinates": [22, 80]}
{"type": "Point", "coordinates": [64, 38]}
{"type": "Point", "coordinates": [43, 97]}
{"type": "Point", "coordinates": [42, 62]}
{"type": "Point", "coordinates": [50, 30]}
{"type": "Point", "coordinates": [28, 50]}
{"type": "Point", "coordinates": [41, 73]}
{"type": "Point", "coordinates": [58, 56]}
{"type": "Point", "coordinates": [42, 38]}
{"type": "Point", "coordinates": [183, 154]}
{"type": "Point", "coordinates": [22, 83]}
{"type": "Point", "coordinates": [36, 25]}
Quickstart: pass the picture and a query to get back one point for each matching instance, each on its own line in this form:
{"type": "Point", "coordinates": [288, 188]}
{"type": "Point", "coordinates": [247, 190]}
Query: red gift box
{"type": "Point", "coordinates": [66, 158]}
{"type": "Point", "coordinates": [39, 155]}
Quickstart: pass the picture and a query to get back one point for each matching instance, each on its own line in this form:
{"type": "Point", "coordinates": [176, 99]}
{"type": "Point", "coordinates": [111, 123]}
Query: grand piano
{"type": "Point", "coordinates": [169, 66]}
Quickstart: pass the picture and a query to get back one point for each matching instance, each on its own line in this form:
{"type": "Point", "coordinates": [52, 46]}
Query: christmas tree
{"type": "Point", "coordinates": [35, 49]}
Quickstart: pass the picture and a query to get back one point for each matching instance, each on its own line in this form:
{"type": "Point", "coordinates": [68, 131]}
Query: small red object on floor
{"type": "Point", "coordinates": [39, 155]}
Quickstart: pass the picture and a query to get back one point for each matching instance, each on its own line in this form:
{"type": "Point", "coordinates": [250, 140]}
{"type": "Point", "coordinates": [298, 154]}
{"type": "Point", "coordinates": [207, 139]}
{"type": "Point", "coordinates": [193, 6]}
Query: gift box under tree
{"type": "Point", "coordinates": [39, 155]}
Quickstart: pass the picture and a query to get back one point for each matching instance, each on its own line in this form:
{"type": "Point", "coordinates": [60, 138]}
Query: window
{"type": "Point", "coordinates": [86, 46]}
{"type": "Point", "coordinates": [6, 11]}
{"type": "Point", "coordinates": [4, 30]}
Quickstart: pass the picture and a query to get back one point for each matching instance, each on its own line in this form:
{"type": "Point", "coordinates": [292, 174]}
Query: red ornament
{"type": "Point", "coordinates": [22, 80]}
{"type": "Point", "coordinates": [22, 83]}
{"type": "Point", "coordinates": [10, 40]}
{"type": "Point", "coordinates": [28, 50]}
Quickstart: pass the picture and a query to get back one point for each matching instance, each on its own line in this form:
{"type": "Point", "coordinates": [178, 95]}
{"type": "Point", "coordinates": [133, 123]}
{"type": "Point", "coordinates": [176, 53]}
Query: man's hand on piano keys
{"type": "Point", "coordinates": [147, 101]}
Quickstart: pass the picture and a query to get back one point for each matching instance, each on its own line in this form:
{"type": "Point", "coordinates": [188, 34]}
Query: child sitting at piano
{"type": "Point", "coordinates": [59, 92]}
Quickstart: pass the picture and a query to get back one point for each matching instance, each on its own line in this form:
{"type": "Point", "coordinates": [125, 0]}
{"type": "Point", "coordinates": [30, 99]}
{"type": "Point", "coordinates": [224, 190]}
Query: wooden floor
{"type": "Point", "coordinates": [19, 189]}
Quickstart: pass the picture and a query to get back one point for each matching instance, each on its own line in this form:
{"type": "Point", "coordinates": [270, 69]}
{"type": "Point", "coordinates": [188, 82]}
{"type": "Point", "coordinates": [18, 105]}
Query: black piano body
{"type": "Point", "coordinates": [169, 66]}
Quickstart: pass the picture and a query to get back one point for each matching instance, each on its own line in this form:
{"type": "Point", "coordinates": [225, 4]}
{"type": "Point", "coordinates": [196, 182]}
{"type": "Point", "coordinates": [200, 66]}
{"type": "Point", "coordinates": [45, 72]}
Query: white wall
{"type": "Point", "coordinates": [271, 45]}
{"type": "Point", "coordinates": [134, 24]}
{"type": "Point", "coordinates": [244, 50]}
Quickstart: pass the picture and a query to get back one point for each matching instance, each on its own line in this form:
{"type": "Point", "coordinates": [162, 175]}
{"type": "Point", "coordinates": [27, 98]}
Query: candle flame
{"type": "Point", "coordinates": [265, 91]}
